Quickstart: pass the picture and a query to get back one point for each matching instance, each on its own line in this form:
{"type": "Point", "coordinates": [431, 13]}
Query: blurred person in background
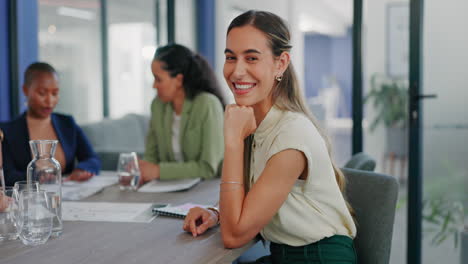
{"type": "Point", "coordinates": [185, 137]}
{"type": "Point", "coordinates": [39, 122]}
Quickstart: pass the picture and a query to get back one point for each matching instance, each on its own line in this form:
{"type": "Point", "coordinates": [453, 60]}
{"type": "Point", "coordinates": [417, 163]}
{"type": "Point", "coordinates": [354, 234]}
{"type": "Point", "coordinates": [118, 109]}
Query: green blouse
{"type": "Point", "coordinates": [201, 138]}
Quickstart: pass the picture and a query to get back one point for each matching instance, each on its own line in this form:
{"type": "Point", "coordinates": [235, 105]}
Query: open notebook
{"type": "Point", "coordinates": [179, 211]}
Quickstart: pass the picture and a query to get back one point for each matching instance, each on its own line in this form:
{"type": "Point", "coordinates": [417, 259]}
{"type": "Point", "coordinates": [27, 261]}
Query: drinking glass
{"type": "Point", "coordinates": [24, 186]}
{"type": "Point", "coordinates": [35, 217]}
{"type": "Point", "coordinates": [128, 171]}
{"type": "Point", "coordinates": [8, 209]}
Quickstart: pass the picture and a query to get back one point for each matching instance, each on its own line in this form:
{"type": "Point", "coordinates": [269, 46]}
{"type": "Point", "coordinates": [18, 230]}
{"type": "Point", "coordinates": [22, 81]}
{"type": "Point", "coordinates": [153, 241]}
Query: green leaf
{"type": "Point", "coordinates": [389, 97]}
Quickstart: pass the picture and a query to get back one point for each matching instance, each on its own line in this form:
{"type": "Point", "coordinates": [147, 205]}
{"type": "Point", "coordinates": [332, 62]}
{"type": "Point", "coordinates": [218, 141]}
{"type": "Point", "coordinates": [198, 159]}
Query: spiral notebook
{"type": "Point", "coordinates": [179, 211]}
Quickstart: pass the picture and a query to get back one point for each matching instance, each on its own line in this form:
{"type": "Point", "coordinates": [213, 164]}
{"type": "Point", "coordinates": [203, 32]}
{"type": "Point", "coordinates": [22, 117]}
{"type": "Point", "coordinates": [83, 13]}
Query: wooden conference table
{"type": "Point", "coordinates": [161, 241]}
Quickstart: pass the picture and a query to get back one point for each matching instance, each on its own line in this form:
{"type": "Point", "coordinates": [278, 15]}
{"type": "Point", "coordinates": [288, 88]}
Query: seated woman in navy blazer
{"type": "Point", "coordinates": [39, 122]}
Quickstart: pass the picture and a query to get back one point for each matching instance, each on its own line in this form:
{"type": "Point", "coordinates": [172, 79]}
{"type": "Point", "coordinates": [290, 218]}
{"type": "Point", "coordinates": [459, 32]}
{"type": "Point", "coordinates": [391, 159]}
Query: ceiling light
{"type": "Point", "coordinates": [51, 29]}
{"type": "Point", "coordinates": [76, 13]}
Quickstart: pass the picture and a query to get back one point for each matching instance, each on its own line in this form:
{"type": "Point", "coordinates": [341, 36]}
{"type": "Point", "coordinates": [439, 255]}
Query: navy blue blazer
{"type": "Point", "coordinates": [17, 153]}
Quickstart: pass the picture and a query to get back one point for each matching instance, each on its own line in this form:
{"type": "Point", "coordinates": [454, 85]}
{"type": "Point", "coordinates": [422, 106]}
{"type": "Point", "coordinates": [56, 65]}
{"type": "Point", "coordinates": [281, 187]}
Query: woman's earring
{"type": "Point", "coordinates": [279, 78]}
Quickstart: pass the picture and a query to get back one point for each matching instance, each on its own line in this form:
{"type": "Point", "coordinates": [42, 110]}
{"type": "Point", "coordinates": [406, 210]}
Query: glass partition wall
{"type": "Point", "coordinates": [444, 118]}
{"type": "Point", "coordinates": [132, 42]}
{"type": "Point", "coordinates": [385, 49]}
{"type": "Point", "coordinates": [70, 40]}
{"type": "Point", "coordinates": [445, 131]}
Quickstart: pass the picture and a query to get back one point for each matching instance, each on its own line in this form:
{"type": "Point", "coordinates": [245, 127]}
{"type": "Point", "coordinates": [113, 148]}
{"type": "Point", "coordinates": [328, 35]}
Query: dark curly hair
{"type": "Point", "coordinates": [198, 75]}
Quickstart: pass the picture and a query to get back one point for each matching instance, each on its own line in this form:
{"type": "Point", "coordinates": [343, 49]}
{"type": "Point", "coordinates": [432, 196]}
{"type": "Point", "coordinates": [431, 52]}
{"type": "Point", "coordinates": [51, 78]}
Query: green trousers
{"type": "Point", "coordinates": [331, 250]}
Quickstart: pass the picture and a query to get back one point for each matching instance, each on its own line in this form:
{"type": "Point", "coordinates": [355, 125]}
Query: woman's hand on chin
{"type": "Point", "coordinates": [239, 123]}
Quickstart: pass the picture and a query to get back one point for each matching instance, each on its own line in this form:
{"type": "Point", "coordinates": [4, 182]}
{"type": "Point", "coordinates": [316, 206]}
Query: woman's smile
{"type": "Point", "coordinates": [241, 88]}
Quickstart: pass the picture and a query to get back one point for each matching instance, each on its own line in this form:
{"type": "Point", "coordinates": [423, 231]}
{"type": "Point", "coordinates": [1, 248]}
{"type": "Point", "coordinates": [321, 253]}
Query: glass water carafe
{"type": "Point", "coordinates": [45, 169]}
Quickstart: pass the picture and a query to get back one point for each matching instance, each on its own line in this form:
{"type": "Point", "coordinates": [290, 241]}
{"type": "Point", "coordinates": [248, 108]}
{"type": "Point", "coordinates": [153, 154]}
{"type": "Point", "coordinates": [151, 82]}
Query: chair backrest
{"type": "Point", "coordinates": [110, 137]}
{"type": "Point", "coordinates": [361, 161]}
{"type": "Point", "coordinates": [373, 197]}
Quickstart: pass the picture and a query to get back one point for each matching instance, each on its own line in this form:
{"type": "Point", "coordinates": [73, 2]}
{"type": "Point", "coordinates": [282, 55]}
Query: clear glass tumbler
{"type": "Point", "coordinates": [24, 186]}
{"type": "Point", "coordinates": [35, 218]}
{"type": "Point", "coordinates": [128, 171]}
{"type": "Point", "coordinates": [8, 209]}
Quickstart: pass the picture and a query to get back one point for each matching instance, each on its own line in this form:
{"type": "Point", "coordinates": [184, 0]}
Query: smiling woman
{"type": "Point", "coordinates": [41, 88]}
{"type": "Point", "coordinates": [272, 142]}
{"type": "Point", "coordinates": [250, 68]}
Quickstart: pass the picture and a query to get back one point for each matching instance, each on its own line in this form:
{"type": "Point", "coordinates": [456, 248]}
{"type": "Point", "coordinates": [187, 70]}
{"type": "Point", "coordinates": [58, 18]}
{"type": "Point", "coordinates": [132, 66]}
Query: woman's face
{"type": "Point", "coordinates": [168, 87]}
{"type": "Point", "coordinates": [42, 94]}
{"type": "Point", "coordinates": [250, 68]}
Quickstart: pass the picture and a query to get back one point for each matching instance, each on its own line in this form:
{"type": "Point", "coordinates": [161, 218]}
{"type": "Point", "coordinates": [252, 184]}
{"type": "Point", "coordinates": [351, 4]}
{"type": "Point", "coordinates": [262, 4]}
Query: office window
{"type": "Point", "coordinates": [131, 45]}
{"type": "Point", "coordinates": [70, 40]}
{"type": "Point", "coordinates": [161, 21]}
{"type": "Point", "coordinates": [185, 26]}
{"type": "Point", "coordinates": [385, 83]}
{"type": "Point", "coordinates": [445, 130]}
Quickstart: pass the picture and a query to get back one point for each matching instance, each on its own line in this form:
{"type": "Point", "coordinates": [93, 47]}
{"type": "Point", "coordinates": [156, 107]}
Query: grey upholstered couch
{"type": "Point", "coordinates": [110, 137]}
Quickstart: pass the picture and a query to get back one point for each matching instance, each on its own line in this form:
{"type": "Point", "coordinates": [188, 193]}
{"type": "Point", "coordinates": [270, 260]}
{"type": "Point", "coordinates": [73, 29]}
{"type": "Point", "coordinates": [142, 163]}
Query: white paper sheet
{"type": "Point", "coordinates": [107, 212]}
{"type": "Point", "coordinates": [73, 191]}
{"type": "Point", "coordinates": [156, 186]}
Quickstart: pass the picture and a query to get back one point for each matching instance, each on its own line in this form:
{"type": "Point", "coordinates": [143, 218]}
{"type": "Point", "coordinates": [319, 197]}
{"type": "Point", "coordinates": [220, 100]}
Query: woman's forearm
{"type": "Point", "coordinates": [232, 192]}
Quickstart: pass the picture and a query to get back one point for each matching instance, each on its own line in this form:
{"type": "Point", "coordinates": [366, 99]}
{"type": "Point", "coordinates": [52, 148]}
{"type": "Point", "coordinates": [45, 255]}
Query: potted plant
{"type": "Point", "coordinates": [444, 219]}
{"type": "Point", "coordinates": [389, 98]}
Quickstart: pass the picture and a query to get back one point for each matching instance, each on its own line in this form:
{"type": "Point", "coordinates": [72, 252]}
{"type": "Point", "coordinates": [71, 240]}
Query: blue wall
{"type": "Point", "coordinates": [4, 63]}
{"type": "Point", "coordinates": [324, 56]}
{"type": "Point", "coordinates": [206, 30]}
{"type": "Point", "coordinates": [15, 59]}
{"type": "Point", "coordinates": [342, 66]}
{"type": "Point", "coordinates": [28, 42]}
{"type": "Point", "coordinates": [317, 62]}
